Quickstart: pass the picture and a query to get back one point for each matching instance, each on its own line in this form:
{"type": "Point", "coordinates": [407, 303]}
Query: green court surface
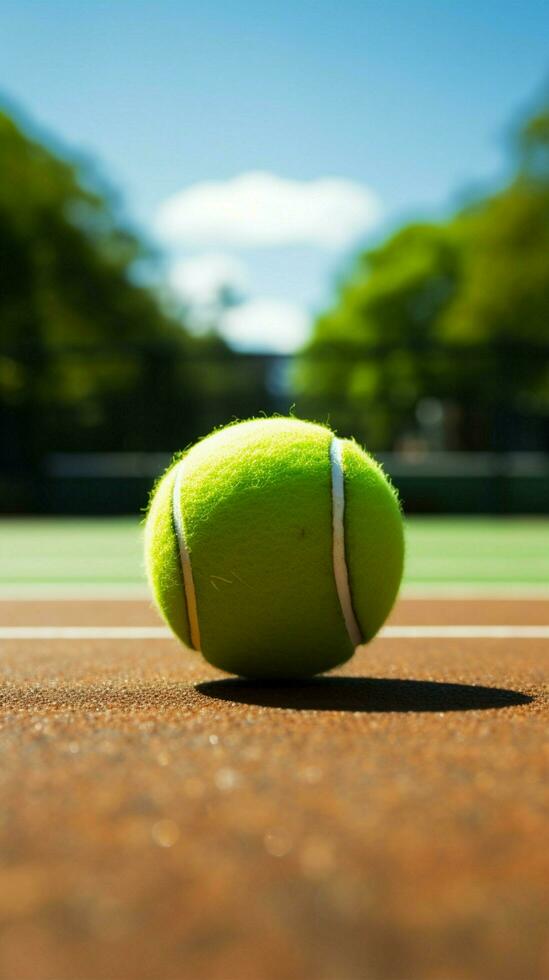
{"type": "Point", "coordinates": [68, 554]}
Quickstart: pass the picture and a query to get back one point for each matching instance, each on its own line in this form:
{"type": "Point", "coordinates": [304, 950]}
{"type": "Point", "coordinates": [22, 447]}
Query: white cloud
{"type": "Point", "coordinates": [259, 209]}
{"type": "Point", "coordinates": [266, 325]}
{"type": "Point", "coordinates": [259, 324]}
{"type": "Point", "coordinates": [201, 279]}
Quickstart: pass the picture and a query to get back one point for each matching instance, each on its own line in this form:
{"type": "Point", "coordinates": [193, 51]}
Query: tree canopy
{"type": "Point", "coordinates": [456, 311]}
{"type": "Point", "coordinates": [89, 359]}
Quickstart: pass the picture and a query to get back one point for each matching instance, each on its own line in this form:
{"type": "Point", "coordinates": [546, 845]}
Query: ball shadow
{"type": "Point", "coordinates": [367, 694]}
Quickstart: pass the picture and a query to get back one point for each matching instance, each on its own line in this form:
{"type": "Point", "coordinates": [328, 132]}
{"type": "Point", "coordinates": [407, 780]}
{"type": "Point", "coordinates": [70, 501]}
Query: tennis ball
{"type": "Point", "coordinates": [274, 547]}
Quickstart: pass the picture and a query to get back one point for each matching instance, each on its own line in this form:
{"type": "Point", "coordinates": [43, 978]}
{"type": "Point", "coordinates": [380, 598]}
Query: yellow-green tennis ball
{"type": "Point", "coordinates": [274, 548]}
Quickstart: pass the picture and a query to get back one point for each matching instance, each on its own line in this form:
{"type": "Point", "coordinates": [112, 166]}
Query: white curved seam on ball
{"type": "Point", "coordinates": [185, 559]}
{"type": "Point", "coordinates": [341, 571]}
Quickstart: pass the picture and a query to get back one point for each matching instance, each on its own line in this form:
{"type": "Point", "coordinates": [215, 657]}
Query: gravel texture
{"type": "Point", "coordinates": [161, 822]}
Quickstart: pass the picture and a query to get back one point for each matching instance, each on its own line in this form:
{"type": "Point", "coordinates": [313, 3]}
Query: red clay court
{"type": "Point", "coordinates": [159, 819]}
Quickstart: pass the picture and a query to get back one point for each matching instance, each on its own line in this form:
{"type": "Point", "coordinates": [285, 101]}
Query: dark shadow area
{"type": "Point", "coordinates": [363, 694]}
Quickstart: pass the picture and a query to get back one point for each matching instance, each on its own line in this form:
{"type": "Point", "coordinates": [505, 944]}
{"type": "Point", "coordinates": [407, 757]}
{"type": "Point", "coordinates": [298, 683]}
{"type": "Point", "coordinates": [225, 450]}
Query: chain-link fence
{"type": "Point", "coordinates": [86, 430]}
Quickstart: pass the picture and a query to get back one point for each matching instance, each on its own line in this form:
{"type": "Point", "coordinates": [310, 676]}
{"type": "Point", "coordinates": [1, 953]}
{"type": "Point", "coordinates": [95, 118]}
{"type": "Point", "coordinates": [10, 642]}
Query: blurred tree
{"type": "Point", "coordinates": [453, 312]}
{"type": "Point", "coordinates": [88, 358]}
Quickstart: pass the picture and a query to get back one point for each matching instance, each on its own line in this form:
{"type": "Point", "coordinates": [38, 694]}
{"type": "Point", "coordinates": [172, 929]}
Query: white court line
{"type": "Point", "coordinates": [466, 632]}
{"type": "Point", "coordinates": [140, 593]}
{"type": "Point", "coordinates": [162, 633]}
{"type": "Point", "coordinates": [74, 593]}
{"type": "Point", "coordinates": [468, 591]}
{"type": "Point", "coordinates": [85, 633]}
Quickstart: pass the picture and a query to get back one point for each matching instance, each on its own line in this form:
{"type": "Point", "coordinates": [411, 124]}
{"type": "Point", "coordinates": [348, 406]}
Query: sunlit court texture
{"type": "Point", "coordinates": [274, 490]}
{"type": "Point", "coordinates": [270, 830]}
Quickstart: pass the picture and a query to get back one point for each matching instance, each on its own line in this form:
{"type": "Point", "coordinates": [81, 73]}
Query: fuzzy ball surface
{"type": "Point", "coordinates": [239, 547]}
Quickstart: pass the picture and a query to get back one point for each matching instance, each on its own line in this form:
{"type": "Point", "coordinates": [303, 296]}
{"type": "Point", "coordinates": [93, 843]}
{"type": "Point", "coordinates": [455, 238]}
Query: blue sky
{"type": "Point", "coordinates": [408, 100]}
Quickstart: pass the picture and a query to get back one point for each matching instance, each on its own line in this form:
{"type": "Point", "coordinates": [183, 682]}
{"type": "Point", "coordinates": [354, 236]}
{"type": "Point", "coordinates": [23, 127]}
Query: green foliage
{"type": "Point", "coordinates": [64, 284]}
{"type": "Point", "coordinates": [88, 358]}
{"type": "Point", "coordinates": [444, 311]}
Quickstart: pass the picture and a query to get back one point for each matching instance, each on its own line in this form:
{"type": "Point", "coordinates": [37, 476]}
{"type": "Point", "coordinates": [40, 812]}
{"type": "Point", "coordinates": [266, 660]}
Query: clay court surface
{"type": "Point", "coordinates": [160, 821]}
